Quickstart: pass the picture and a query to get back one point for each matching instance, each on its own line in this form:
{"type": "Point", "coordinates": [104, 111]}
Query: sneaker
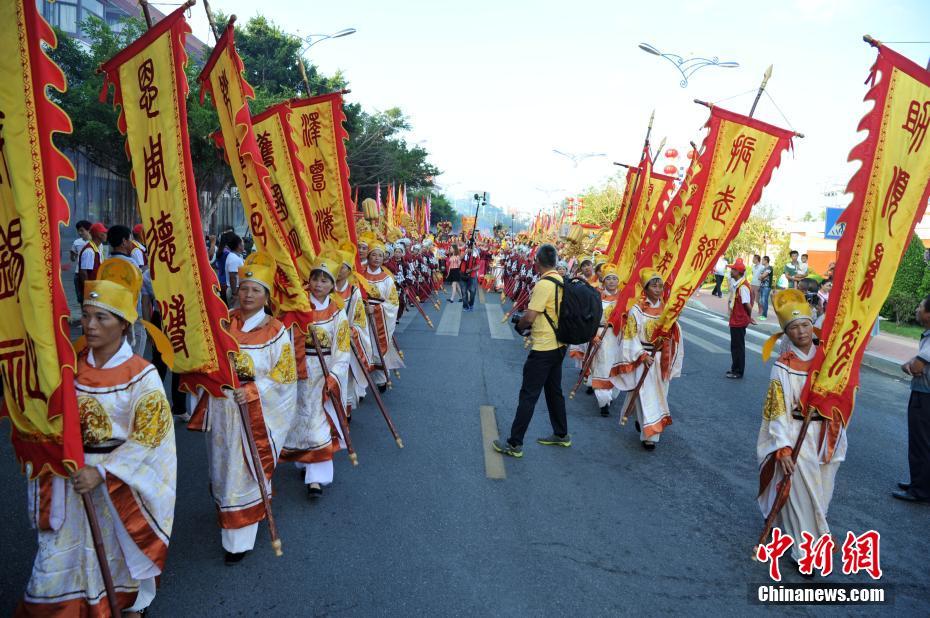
{"type": "Point", "coordinates": [183, 418]}
{"type": "Point", "coordinates": [505, 448]}
{"type": "Point", "coordinates": [762, 317]}
{"type": "Point", "coordinates": [605, 411]}
{"type": "Point", "coordinates": [314, 493]}
{"type": "Point", "coordinates": [555, 440]}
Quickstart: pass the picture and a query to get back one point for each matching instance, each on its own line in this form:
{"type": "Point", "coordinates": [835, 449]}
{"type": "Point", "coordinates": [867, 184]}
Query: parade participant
{"type": "Point", "coordinates": [740, 318]}
{"type": "Point", "coordinates": [824, 446]}
{"type": "Point", "coordinates": [130, 469]}
{"type": "Point", "coordinates": [382, 307]}
{"type": "Point", "coordinates": [543, 367]}
{"type": "Point", "coordinates": [139, 252]}
{"type": "Point", "coordinates": [348, 289]}
{"type": "Point", "coordinates": [638, 353]}
{"type": "Point", "coordinates": [90, 256]}
{"type": "Point", "coordinates": [918, 415]}
{"type": "Point", "coordinates": [586, 271]}
{"type": "Point", "coordinates": [606, 362]}
{"type": "Point", "coordinates": [315, 435]}
{"type": "Point", "coordinates": [363, 241]}
{"type": "Point", "coordinates": [268, 389]}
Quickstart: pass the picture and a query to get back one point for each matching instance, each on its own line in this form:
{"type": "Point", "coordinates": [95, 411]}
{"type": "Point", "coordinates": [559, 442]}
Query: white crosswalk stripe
{"type": "Point", "coordinates": [715, 332]}
{"type": "Point", "coordinates": [404, 322]}
{"type": "Point", "coordinates": [495, 315]}
{"type": "Point", "coordinates": [451, 320]}
{"type": "Point", "coordinates": [692, 339]}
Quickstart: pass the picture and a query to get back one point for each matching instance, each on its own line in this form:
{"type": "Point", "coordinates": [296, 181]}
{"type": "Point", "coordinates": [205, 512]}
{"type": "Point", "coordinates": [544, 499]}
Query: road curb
{"type": "Point", "coordinates": [872, 360]}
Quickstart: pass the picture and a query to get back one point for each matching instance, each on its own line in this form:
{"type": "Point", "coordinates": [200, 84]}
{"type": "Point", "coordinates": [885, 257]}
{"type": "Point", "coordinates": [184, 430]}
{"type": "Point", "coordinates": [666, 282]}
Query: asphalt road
{"type": "Point", "coordinates": [601, 528]}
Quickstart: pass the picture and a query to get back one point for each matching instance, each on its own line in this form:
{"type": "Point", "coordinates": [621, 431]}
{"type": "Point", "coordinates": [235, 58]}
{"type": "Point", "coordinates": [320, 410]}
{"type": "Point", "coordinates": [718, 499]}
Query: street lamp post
{"type": "Point", "coordinates": [312, 39]}
{"type": "Point", "coordinates": [687, 67]}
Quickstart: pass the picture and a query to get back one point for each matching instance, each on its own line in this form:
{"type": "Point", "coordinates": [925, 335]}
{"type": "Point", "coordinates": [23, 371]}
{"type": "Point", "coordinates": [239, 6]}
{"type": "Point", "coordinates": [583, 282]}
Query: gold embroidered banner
{"type": "Point", "coordinates": [649, 203]}
{"type": "Point", "coordinates": [890, 193]}
{"type": "Point", "coordinates": [151, 91]}
{"type": "Point", "coordinates": [274, 135]}
{"type": "Point", "coordinates": [37, 361]}
{"type": "Point", "coordinates": [320, 138]}
{"type": "Point", "coordinates": [617, 227]}
{"type": "Point", "coordinates": [736, 162]}
{"type": "Point", "coordinates": [222, 78]}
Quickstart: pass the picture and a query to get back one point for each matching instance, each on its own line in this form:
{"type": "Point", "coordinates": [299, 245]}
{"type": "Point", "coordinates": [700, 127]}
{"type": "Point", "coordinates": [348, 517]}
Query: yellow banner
{"type": "Point", "coordinates": [36, 358]}
{"type": "Point", "coordinates": [653, 198]}
{"type": "Point", "coordinates": [222, 78]}
{"type": "Point", "coordinates": [620, 221]}
{"type": "Point", "coordinates": [273, 132]}
{"type": "Point", "coordinates": [317, 123]}
{"type": "Point", "coordinates": [151, 90]}
{"type": "Point", "coordinates": [736, 162]}
{"type": "Point", "coordinates": [468, 223]}
{"type": "Point", "coordinates": [890, 192]}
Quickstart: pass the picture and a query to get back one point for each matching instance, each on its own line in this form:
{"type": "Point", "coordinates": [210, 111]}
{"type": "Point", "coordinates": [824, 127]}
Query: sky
{"type": "Point", "coordinates": [491, 87]}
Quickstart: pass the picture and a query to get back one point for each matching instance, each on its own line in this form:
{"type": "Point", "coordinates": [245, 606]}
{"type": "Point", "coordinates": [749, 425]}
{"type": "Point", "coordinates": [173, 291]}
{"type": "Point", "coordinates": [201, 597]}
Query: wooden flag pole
{"type": "Point", "coordinates": [146, 13]}
{"type": "Point", "coordinates": [259, 471]}
{"type": "Point", "coordinates": [101, 553]}
{"type": "Point", "coordinates": [336, 401]}
{"type": "Point", "coordinates": [711, 106]}
{"type": "Point", "coordinates": [765, 81]}
{"type": "Point", "coordinates": [374, 392]}
{"type": "Point", "coordinates": [303, 73]}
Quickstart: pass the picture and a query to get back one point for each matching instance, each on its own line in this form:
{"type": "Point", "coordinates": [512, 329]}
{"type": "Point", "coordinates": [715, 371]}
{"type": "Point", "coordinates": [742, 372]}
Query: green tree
{"type": "Point", "coordinates": [441, 209]}
{"type": "Point", "coordinates": [758, 234]}
{"type": "Point", "coordinates": [601, 205]}
{"type": "Point", "coordinates": [905, 289]}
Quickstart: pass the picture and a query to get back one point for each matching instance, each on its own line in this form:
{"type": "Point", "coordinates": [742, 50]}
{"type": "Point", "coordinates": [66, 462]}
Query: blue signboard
{"type": "Point", "coordinates": [833, 228]}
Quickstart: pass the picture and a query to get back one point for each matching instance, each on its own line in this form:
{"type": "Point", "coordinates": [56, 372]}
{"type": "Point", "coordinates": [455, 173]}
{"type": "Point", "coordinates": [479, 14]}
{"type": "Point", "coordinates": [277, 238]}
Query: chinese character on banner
{"type": "Point", "coordinates": [311, 128]}
{"type": "Point", "coordinates": [324, 224]}
{"type": "Point", "coordinates": [723, 204]}
{"type": "Point", "coordinates": [147, 88]}
{"type": "Point", "coordinates": [266, 148]}
{"type": "Point", "coordinates": [894, 195]}
{"type": "Point", "coordinates": [154, 167]}
{"type": "Point", "coordinates": [861, 553]}
{"type": "Point", "coordinates": [741, 152]}
{"type": "Point", "coordinates": [771, 552]}
{"type": "Point", "coordinates": [176, 323]}
{"type": "Point", "coordinates": [918, 119]}
{"type": "Point", "coordinates": [161, 241]}
{"type": "Point", "coordinates": [12, 265]}
{"type": "Point", "coordinates": [317, 178]}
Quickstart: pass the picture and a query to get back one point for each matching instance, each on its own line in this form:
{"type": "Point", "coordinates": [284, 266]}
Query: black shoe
{"type": "Point", "coordinates": [314, 493]}
{"type": "Point", "coordinates": [649, 446]}
{"type": "Point", "coordinates": [638, 428]}
{"type": "Point", "coordinates": [797, 565]}
{"type": "Point", "coordinates": [734, 376]}
{"type": "Point", "coordinates": [907, 496]}
{"type": "Point", "coordinates": [382, 388]}
{"type": "Point", "coordinates": [904, 486]}
{"type": "Point", "coordinates": [589, 390]}
{"type": "Point", "coordinates": [231, 558]}
{"type": "Point", "coordinates": [605, 411]}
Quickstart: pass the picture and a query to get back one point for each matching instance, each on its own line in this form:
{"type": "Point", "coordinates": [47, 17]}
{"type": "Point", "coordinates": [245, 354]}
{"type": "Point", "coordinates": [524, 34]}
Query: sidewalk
{"type": "Point", "coordinates": [884, 353]}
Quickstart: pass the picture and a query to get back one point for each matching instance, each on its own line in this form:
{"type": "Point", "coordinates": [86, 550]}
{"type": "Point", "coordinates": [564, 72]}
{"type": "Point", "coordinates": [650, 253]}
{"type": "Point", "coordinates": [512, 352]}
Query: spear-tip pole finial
{"type": "Point", "coordinates": [765, 81]}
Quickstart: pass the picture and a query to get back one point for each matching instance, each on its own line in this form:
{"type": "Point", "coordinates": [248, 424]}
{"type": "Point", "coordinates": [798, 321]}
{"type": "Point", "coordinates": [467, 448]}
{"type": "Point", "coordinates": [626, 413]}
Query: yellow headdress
{"type": "Point", "coordinates": [609, 270]}
{"type": "Point", "coordinates": [331, 267]}
{"type": "Point", "coordinates": [789, 306]}
{"type": "Point", "coordinates": [367, 239]}
{"type": "Point", "coordinates": [648, 274]}
{"type": "Point", "coordinates": [116, 289]}
{"type": "Point", "coordinates": [377, 245]}
{"type": "Point", "coordinates": [259, 267]}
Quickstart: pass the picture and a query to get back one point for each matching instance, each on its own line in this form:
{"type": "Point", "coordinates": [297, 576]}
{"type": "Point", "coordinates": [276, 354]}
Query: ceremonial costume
{"type": "Point", "coordinates": [824, 446]}
{"type": "Point", "coordinates": [128, 435]}
{"type": "Point", "coordinates": [384, 301]}
{"type": "Point", "coordinates": [605, 366]}
{"type": "Point", "coordinates": [652, 411]}
{"type": "Point", "coordinates": [315, 435]}
{"type": "Point", "coordinates": [267, 370]}
{"type": "Point", "coordinates": [354, 304]}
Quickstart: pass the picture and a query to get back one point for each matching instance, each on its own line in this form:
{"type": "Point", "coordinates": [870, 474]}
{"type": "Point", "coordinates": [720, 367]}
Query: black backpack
{"type": "Point", "coordinates": [579, 312]}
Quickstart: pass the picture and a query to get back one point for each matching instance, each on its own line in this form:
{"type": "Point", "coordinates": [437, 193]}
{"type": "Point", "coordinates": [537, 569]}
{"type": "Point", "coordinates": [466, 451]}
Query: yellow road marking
{"type": "Point", "coordinates": [493, 461]}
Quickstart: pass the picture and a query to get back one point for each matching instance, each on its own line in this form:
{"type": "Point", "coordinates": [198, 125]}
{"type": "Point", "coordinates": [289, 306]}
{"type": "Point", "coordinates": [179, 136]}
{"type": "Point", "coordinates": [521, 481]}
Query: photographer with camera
{"type": "Point", "coordinates": [543, 367]}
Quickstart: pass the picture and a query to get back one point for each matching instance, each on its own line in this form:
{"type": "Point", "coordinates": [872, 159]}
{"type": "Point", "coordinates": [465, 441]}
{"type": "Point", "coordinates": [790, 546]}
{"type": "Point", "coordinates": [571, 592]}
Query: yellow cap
{"type": "Point", "coordinates": [648, 274]}
{"type": "Point", "coordinates": [259, 267]}
{"type": "Point", "coordinates": [609, 270]}
{"type": "Point", "coordinates": [327, 265]}
{"type": "Point", "coordinates": [115, 289]}
{"type": "Point", "coordinates": [377, 245]}
{"type": "Point", "coordinates": [367, 239]}
{"type": "Point", "coordinates": [790, 306]}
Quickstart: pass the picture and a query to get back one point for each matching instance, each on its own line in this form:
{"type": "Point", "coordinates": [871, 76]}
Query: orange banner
{"type": "Point", "coordinates": [37, 361]}
{"type": "Point", "coordinates": [275, 138]}
{"type": "Point", "coordinates": [468, 223]}
{"type": "Point", "coordinates": [222, 78]}
{"type": "Point", "coordinates": [151, 90]}
{"type": "Point", "coordinates": [890, 193]}
{"type": "Point", "coordinates": [317, 124]}
{"type": "Point", "coordinates": [736, 162]}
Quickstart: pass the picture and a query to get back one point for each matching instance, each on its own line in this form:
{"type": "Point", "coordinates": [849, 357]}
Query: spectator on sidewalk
{"type": "Point", "coordinates": [756, 275]}
{"type": "Point", "coordinates": [803, 268]}
{"type": "Point", "coordinates": [791, 269]}
{"type": "Point", "coordinates": [83, 235]}
{"type": "Point", "coordinates": [765, 287]}
{"type": "Point", "coordinates": [543, 367]}
{"type": "Point", "coordinates": [720, 271]}
{"type": "Point", "coordinates": [90, 255]}
{"type": "Point", "coordinates": [918, 415]}
{"type": "Point", "coordinates": [231, 266]}
{"type": "Point", "coordinates": [740, 318]}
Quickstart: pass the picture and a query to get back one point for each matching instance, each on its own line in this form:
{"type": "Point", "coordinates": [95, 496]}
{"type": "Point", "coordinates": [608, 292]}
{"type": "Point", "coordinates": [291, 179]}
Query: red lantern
{"type": "Point", "coordinates": [692, 154]}
{"type": "Point", "coordinates": [671, 153]}
{"type": "Point", "coordinates": [670, 169]}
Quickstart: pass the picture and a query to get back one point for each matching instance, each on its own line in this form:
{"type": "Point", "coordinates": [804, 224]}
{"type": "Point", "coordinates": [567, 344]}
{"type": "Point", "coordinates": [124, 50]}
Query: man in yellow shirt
{"type": "Point", "coordinates": [543, 367]}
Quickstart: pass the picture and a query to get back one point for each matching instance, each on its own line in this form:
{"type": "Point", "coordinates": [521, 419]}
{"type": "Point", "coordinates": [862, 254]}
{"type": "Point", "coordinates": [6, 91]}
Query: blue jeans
{"type": "Point", "coordinates": [469, 289]}
{"type": "Point", "coordinates": [764, 292]}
